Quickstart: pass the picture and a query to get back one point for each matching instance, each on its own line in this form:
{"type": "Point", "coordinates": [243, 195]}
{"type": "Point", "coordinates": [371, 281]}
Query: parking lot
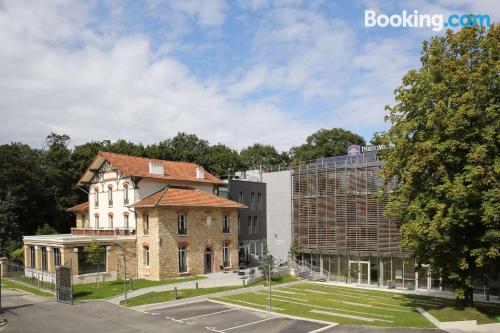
{"type": "Point", "coordinates": [216, 317]}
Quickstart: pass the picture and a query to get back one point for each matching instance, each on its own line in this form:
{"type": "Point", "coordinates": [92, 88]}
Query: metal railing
{"type": "Point", "coordinates": [307, 270]}
{"type": "Point", "coordinates": [32, 277]}
{"type": "Point", "coordinates": [102, 232]}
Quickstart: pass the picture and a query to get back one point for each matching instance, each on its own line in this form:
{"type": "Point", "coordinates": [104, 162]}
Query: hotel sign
{"type": "Point", "coordinates": [356, 150]}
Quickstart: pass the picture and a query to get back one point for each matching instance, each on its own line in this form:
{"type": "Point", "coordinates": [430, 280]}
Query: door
{"type": "Point", "coordinates": [208, 261]}
{"type": "Point", "coordinates": [359, 272]}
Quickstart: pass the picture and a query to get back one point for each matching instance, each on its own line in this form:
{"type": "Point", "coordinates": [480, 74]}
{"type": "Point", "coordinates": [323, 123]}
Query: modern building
{"type": "Point", "coordinates": [184, 227]}
{"type": "Point", "coordinates": [338, 207]}
{"type": "Point", "coordinates": [278, 213]}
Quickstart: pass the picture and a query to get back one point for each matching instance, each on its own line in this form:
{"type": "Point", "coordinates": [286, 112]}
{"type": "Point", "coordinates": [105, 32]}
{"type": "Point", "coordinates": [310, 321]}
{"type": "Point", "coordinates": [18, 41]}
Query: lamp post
{"type": "Point", "coordinates": [270, 304]}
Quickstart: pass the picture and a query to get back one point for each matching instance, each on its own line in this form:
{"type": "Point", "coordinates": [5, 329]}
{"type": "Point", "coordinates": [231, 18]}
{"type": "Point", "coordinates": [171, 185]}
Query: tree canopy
{"type": "Point", "coordinates": [445, 131]}
{"type": "Point", "coordinates": [325, 143]}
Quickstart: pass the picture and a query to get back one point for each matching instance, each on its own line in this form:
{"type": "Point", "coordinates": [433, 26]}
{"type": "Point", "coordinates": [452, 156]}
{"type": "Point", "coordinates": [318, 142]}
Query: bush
{"type": "Point", "coordinates": [17, 255]}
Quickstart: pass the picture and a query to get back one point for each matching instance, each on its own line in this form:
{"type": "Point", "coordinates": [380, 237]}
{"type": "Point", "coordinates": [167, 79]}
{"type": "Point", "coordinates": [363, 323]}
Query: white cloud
{"type": "Point", "coordinates": [120, 90]}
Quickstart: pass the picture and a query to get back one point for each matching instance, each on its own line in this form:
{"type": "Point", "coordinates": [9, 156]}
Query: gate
{"type": "Point", "coordinates": [64, 284]}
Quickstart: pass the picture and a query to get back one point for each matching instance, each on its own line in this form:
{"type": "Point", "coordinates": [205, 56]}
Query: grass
{"type": "Point", "coordinates": [86, 291]}
{"type": "Point", "coordinates": [167, 296]}
{"type": "Point", "coordinates": [15, 285]}
{"type": "Point", "coordinates": [333, 303]}
{"type": "Point", "coordinates": [275, 281]}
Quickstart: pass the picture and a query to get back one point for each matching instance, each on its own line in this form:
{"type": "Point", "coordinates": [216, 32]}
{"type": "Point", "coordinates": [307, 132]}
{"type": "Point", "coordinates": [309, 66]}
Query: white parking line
{"type": "Point", "coordinates": [244, 325]}
{"type": "Point", "coordinates": [287, 297]}
{"type": "Point", "coordinates": [287, 292]}
{"type": "Point", "coordinates": [321, 329]}
{"type": "Point", "coordinates": [250, 303]}
{"type": "Point", "coordinates": [336, 314]}
{"type": "Point", "coordinates": [208, 314]}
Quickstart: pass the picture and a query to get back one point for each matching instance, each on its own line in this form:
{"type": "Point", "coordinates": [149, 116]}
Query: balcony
{"type": "Point", "coordinates": [102, 232]}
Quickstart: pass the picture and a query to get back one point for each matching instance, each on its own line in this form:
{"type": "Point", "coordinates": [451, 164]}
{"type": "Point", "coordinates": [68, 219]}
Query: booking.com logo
{"type": "Point", "coordinates": [416, 20]}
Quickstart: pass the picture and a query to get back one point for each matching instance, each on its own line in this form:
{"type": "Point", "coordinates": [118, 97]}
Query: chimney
{"type": "Point", "coordinates": [156, 168]}
{"type": "Point", "coordinates": [200, 173]}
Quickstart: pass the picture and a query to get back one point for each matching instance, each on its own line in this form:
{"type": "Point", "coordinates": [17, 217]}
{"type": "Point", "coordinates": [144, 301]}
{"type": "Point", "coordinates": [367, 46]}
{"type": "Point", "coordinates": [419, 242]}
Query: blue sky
{"type": "Point", "coordinates": [235, 72]}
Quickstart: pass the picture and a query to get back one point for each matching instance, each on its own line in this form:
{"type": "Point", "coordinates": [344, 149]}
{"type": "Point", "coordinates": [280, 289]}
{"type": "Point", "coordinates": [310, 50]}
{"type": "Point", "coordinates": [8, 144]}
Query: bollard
{"type": "Point", "coordinates": [196, 286]}
{"type": "Point", "coordinates": [175, 293]}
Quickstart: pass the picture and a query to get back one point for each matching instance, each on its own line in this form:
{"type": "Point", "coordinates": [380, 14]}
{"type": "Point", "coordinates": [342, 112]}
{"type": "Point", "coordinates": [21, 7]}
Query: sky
{"type": "Point", "coordinates": [231, 72]}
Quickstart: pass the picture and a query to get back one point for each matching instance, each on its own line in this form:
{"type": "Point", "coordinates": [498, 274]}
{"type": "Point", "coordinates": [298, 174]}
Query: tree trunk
{"type": "Point", "coordinates": [468, 300]}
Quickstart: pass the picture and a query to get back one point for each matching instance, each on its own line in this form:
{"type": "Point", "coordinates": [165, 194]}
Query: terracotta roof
{"type": "Point", "coordinates": [185, 196]}
{"type": "Point", "coordinates": [133, 166]}
{"type": "Point", "coordinates": [80, 208]}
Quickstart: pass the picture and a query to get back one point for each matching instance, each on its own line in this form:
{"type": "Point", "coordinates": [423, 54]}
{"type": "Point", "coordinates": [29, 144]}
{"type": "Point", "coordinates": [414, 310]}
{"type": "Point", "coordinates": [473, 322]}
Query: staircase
{"type": "Point", "coordinates": [307, 271]}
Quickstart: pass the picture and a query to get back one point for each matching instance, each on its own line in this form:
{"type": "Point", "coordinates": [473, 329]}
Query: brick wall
{"type": "Point", "coordinates": [163, 240]}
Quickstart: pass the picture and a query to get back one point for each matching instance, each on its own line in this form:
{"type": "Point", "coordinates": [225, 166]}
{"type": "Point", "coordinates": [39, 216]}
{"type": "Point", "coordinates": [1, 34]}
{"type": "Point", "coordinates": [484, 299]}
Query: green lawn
{"type": "Point", "coordinates": [166, 296]}
{"type": "Point", "coordinates": [86, 291]}
{"type": "Point", "coordinates": [12, 284]}
{"type": "Point", "coordinates": [278, 280]}
{"type": "Point", "coordinates": [361, 307]}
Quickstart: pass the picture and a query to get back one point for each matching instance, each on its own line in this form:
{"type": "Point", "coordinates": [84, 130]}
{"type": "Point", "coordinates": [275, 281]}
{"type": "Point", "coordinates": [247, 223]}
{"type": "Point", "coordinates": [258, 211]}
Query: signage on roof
{"type": "Point", "coordinates": [354, 150]}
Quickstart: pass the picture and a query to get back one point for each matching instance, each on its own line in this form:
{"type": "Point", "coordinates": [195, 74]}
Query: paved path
{"type": "Point", "coordinates": [212, 280]}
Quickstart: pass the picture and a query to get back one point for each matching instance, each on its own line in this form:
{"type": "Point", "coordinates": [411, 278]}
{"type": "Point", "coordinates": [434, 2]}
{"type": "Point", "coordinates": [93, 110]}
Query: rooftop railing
{"type": "Point", "coordinates": [102, 232]}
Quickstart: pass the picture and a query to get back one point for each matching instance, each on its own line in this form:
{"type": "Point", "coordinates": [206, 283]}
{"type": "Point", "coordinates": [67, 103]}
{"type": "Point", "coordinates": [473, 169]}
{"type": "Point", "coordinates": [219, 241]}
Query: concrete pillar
{"type": "Point", "coordinates": [27, 262]}
{"type": "Point", "coordinates": [4, 266]}
{"type": "Point", "coordinates": [321, 264]}
{"type": "Point", "coordinates": [50, 260]}
{"type": "Point", "coordinates": [416, 279]}
{"type": "Point", "coordinates": [38, 261]}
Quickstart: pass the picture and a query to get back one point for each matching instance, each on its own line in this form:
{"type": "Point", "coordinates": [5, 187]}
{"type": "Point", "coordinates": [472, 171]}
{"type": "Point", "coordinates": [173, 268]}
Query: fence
{"type": "Point", "coordinates": [28, 276]}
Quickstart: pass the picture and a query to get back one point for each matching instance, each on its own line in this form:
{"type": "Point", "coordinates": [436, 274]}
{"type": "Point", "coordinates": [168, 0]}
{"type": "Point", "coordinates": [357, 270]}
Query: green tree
{"type": "Point", "coordinates": [446, 162]}
{"type": "Point", "coordinates": [325, 143]}
{"type": "Point", "coordinates": [46, 230]}
{"type": "Point", "coordinates": [93, 253]}
{"type": "Point", "coordinates": [267, 262]}
{"type": "Point", "coordinates": [295, 249]}
{"type": "Point", "coordinates": [259, 155]}
{"type": "Point", "coordinates": [10, 230]}
{"type": "Point", "coordinates": [223, 160]}
{"type": "Point", "coordinates": [17, 255]}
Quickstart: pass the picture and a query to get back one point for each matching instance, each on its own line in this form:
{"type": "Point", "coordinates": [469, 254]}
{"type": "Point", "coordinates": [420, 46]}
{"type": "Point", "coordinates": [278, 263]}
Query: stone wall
{"type": "Point", "coordinates": [130, 249]}
{"type": "Point", "coordinates": [163, 240]}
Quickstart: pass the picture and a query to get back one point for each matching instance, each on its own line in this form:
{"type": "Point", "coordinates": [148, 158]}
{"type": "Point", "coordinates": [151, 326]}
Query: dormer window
{"type": "Point", "coordinates": [96, 197]}
{"type": "Point", "coordinates": [156, 168]}
{"type": "Point", "coordinates": [110, 195]}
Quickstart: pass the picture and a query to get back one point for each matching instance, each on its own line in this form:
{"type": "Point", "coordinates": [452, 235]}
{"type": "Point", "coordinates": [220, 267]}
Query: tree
{"type": "Point", "coordinates": [93, 252]}
{"type": "Point", "coordinates": [295, 249]}
{"type": "Point", "coordinates": [46, 230]}
{"type": "Point", "coordinates": [9, 225]}
{"type": "Point", "coordinates": [259, 155]}
{"type": "Point", "coordinates": [223, 160]}
{"type": "Point", "coordinates": [446, 133]}
{"type": "Point", "coordinates": [267, 263]}
{"type": "Point", "coordinates": [189, 148]}
{"type": "Point", "coordinates": [325, 143]}
{"type": "Point", "coordinates": [17, 255]}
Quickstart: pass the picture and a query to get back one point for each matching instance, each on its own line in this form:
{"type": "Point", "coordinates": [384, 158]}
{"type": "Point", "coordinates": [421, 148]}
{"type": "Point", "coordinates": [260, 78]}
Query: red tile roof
{"type": "Point", "coordinates": [185, 196]}
{"type": "Point", "coordinates": [80, 208]}
{"type": "Point", "coordinates": [133, 166]}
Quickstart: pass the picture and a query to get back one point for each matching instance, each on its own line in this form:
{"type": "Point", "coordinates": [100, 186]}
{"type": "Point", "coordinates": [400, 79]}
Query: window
{"type": "Point", "coordinates": [259, 201]}
{"type": "Point", "coordinates": [125, 194]}
{"type": "Point", "coordinates": [110, 196]}
{"type": "Point", "coordinates": [181, 224]}
{"type": "Point", "coordinates": [255, 228]}
{"type": "Point", "coordinates": [44, 259]}
{"type": "Point", "coordinates": [84, 267]}
{"type": "Point", "coordinates": [96, 216]}
{"type": "Point", "coordinates": [125, 221]}
{"type": "Point", "coordinates": [57, 256]}
{"type": "Point", "coordinates": [252, 201]}
{"type": "Point", "coordinates": [32, 257]}
{"type": "Point", "coordinates": [182, 259]}
{"type": "Point", "coordinates": [225, 223]}
{"type": "Point", "coordinates": [145, 250]}
{"type": "Point", "coordinates": [249, 225]}
{"type": "Point", "coordinates": [209, 220]}
{"type": "Point", "coordinates": [240, 197]}
{"type": "Point", "coordinates": [225, 255]}
{"type": "Point", "coordinates": [110, 221]}
{"type": "Point", "coordinates": [96, 197]}
{"type": "Point", "coordinates": [145, 224]}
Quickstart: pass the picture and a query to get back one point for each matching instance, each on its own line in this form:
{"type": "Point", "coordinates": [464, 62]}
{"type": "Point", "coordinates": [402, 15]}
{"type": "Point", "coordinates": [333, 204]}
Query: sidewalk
{"type": "Point", "coordinates": [219, 279]}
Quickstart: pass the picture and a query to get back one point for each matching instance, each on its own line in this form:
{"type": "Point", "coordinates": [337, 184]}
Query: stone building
{"type": "Point", "coordinates": [121, 190]}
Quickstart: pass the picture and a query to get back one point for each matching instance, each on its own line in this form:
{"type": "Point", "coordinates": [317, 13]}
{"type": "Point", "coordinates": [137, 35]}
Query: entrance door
{"type": "Point", "coordinates": [359, 271]}
{"type": "Point", "coordinates": [208, 261]}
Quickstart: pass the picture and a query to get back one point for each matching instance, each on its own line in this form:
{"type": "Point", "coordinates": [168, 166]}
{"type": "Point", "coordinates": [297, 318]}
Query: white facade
{"type": "Point", "coordinates": [112, 216]}
{"type": "Point", "coordinates": [279, 213]}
